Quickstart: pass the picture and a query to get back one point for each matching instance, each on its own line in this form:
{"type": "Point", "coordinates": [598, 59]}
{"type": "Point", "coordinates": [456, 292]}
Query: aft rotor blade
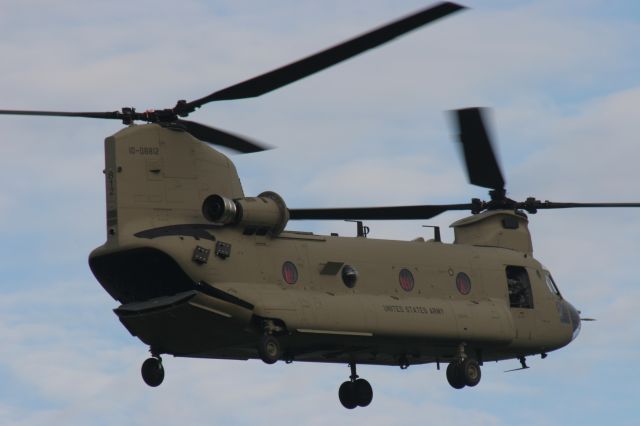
{"type": "Point", "coordinates": [115, 115]}
{"type": "Point", "coordinates": [482, 165]}
{"type": "Point", "coordinates": [300, 69]}
{"type": "Point", "coordinates": [376, 213]}
{"type": "Point", "coordinates": [221, 137]}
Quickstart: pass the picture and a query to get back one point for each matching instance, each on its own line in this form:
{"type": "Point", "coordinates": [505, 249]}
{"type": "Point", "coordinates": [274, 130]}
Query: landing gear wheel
{"type": "Point", "coordinates": [152, 372]}
{"type": "Point", "coordinates": [454, 375]}
{"type": "Point", "coordinates": [355, 392]}
{"type": "Point", "coordinates": [347, 395]}
{"type": "Point", "coordinates": [470, 371]}
{"type": "Point", "coordinates": [269, 349]}
{"type": "Point", "coordinates": [363, 392]}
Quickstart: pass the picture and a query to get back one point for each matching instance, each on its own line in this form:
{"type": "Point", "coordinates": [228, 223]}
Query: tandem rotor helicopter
{"type": "Point", "coordinates": [201, 270]}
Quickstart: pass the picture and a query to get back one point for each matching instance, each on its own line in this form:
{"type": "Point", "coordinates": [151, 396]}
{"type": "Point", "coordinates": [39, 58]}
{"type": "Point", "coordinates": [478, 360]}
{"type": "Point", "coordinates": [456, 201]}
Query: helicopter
{"type": "Point", "coordinates": [203, 271]}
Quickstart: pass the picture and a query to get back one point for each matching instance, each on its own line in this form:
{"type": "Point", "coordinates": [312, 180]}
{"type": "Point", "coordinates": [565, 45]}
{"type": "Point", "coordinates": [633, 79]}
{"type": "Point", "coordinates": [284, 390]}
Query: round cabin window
{"type": "Point", "coordinates": [406, 279]}
{"type": "Point", "coordinates": [463, 283]}
{"type": "Point", "coordinates": [349, 276]}
{"type": "Point", "coordinates": [289, 272]}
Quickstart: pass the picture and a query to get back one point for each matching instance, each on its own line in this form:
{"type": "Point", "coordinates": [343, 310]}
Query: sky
{"type": "Point", "coordinates": [561, 79]}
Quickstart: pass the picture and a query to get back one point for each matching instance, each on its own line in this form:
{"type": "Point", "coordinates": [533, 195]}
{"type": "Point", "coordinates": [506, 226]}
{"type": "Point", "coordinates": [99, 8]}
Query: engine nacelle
{"type": "Point", "coordinates": [265, 214]}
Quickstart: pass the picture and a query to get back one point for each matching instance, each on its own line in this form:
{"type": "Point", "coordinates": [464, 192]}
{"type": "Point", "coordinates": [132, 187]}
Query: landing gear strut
{"type": "Point", "coordinates": [463, 371]}
{"type": "Point", "coordinates": [152, 371]}
{"type": "Point", "coordinates": [355, 392]}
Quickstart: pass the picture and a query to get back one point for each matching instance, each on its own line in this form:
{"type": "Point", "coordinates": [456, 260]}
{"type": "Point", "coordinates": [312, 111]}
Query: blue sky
{"type": "Point", "coordinates": [563, 82]}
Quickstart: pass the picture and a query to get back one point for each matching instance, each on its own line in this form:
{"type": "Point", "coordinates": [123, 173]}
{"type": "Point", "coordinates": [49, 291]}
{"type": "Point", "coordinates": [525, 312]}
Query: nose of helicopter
{"type": "Point", "coordinates": [575, 320]}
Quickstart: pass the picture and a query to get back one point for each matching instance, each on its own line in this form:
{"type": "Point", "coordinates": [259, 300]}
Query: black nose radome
{"type": "Point", "coordinates": [575, 320]}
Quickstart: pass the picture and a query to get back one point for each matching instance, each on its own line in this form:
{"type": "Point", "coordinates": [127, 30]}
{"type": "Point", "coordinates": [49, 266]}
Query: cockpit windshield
{"type": "Point", "coordinates": [551, 284]}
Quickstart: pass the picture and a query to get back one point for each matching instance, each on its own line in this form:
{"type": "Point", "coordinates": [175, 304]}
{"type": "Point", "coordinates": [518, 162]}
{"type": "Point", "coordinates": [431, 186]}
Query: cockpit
{"type": "Point", "coordinates": [568, 314]}
{"type": "Point", "coordinates": [551, 283]}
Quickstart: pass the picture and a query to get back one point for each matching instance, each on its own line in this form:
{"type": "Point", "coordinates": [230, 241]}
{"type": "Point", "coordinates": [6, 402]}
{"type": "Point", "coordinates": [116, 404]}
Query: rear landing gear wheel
{"type": "Point", "coordinates": [152, 371]}
{"type": "Point", "coordinates": [269, 349]}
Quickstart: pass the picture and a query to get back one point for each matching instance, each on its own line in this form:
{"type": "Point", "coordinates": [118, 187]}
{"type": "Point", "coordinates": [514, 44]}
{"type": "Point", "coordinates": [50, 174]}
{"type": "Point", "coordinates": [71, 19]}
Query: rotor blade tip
{"type": "Point", "coordinates": [457, 6]}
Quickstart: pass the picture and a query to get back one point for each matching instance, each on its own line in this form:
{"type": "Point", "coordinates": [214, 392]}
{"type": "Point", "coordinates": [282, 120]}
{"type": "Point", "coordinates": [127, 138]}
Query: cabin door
{"type": "Point", "coordinates": [521, 301]}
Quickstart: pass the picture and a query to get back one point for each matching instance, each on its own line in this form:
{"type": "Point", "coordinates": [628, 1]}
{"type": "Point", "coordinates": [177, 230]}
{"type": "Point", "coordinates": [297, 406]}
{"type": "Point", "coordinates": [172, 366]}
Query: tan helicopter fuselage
{"type": "Point", "coordinates": [190, 287]}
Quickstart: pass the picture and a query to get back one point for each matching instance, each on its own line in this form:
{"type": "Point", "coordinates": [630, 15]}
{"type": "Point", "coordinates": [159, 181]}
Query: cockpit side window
{"type": "Point", "coordinates": [551, 283]}
{"type": "Point", "coordinates": [519, 286]}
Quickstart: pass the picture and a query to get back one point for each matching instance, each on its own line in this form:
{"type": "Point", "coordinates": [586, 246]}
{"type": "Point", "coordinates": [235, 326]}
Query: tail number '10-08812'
{"type": "Point", "coordinates": [144, 150]}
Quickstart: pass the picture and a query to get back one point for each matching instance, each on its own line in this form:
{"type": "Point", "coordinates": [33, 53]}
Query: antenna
{"type": "Point", "coordinates": [436, 232]}
{"type": "Point", "coordinates": [362, 231]}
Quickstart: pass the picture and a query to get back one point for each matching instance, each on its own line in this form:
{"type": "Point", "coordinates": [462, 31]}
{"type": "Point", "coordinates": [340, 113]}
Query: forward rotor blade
{"type": "Point", "coordinates": [221, 137]}
{"type": "Point", "coordinates": [115, 115]}
{"type": "Point", "coordinates": [300, 69]}
{"type": "Point", "coordinates": [482, 165]}
{"type": "Point", "coordinates": [540, 205]}
{"type": "Point", "coordinates": [376, 213]}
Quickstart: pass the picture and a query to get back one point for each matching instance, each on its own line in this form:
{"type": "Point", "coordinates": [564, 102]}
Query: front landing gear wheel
{"type": "Point", "coordinates": [347, 395]}
{"type": "Point", "coordinates": [470, 371]}
{"type": "Point", "coordinates": [152, 371]}
{"type": "Point", "coordinates": [454, 375]}
{"type": "Point", "coordinates": [363, 392]}
{"type": "Point", "coordinates": [269, 349]}
{"type": "Point", "coordinates": [355, 392]}
{"type": "Point", "coordinates": [464, 373]}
